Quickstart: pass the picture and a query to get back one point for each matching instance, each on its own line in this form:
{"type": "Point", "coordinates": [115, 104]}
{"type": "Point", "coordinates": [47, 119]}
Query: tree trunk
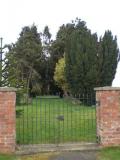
{"type": "Point", "coordinates": [28, 84]}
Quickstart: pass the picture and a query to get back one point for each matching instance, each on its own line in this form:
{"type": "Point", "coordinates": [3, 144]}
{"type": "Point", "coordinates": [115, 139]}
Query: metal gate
{"type": "Point", "coordinates": [55, 120]}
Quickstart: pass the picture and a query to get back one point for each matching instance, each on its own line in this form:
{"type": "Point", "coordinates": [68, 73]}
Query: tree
{"type": "Point", "coordinates": [58, 46]}
{"type": "Point", "coordinates": [46, 36]}
{"type": "Point", "coordinates": [35, 58]}
{"type": "Point", "coordinates": [81, 58]}
{"type": "Point", "coordinates": [47, 71]}
{"type": "Point", "coordinates": [23, 59]}
{"type": "Point", "coordinates": [108, 53]}
{"type": "Point", "coordinates": [89, 62]}
{"type": "Point", "coordinates": [56, 50]}
{"type": "Point", "coordinates": [59, 74]}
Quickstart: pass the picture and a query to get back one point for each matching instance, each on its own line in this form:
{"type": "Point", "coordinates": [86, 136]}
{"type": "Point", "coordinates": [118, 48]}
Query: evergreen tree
{"type": "Point", "coordinates": [81, 58]}
{"type": "Point", "coordinates": [107, 59]}
{"type": "Point", "coordinates": [47, 71]}
{"type": "Point", "coordinates": [57, 50]}
{"type": "Point", "coordinates": [31, 62]}
{"type": "Point", "coordinates": [23, 59]}
{"type": "Point", "coordinates": [89, 62]}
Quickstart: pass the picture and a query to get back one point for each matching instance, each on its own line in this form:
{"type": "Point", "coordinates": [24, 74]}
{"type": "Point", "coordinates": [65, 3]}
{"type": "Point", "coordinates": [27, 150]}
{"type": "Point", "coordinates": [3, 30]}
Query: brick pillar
{"type": "Point", "coordinates": [7, 120]}
{"type": "Point", "coordinates": [108, 115]}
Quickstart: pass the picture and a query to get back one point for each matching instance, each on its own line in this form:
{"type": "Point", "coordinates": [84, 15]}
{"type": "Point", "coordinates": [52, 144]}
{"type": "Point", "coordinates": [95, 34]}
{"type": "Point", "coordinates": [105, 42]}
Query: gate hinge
{"type": "Point", "coordinates": [97, 103]}
{"type": "Point", "coordinates": [98, 139]}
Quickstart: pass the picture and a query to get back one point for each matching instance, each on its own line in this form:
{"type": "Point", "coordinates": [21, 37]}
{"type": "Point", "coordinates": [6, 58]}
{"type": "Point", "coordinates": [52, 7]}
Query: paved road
{"type": "Point", "coordinates": [83, 155]}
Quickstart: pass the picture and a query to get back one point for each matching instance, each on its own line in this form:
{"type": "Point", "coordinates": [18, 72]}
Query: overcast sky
{"type": "Point", "coordinates": [100, 15]}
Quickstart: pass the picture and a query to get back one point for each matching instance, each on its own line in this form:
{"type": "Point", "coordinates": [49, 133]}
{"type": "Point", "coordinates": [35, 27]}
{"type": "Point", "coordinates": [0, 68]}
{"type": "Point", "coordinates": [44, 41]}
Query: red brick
{"type": "Point", "coordinates": [108, 117]}
{"type": "Point", "coordinates": [7, 121]}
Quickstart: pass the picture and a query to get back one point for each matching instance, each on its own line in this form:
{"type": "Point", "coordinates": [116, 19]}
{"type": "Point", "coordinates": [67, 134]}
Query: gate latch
{"type": "Point", "coordinates": [97, 103]}
{"type": "Point", "coordinates": [60, 117]}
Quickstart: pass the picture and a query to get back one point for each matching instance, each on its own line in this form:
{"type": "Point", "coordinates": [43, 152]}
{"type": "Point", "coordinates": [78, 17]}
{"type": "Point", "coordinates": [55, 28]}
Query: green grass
{"type": "Point", "coordinates": [112, 153]}
{"type": "Point", "coordinates": [7, 157]}
{"type": "Point", "coordinates": [38, 123]}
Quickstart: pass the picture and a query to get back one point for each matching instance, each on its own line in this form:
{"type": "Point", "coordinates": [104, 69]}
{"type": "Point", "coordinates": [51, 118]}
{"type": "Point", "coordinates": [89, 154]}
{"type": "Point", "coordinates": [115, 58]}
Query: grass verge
{"type": "Point", "coordinates": [110, 153]}
{"type": "Point", "coordinates": [7, 157]}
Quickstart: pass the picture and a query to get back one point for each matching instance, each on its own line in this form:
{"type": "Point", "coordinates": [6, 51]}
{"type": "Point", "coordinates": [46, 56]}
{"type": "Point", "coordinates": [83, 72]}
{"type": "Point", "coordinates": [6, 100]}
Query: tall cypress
{"type": "Point", "coordinates": [90, 62]}
{"type": "Point", "coordinates": [107, 58]}
{"type": "Point", "coordinates": [81, 59]}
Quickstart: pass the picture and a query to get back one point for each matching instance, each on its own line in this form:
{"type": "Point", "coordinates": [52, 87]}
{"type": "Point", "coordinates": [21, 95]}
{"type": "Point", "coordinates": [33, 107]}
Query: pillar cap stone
{"type": "Point", "coordinates": [107, 88]}
{"type": "Point", "coordinates": [8, 89]}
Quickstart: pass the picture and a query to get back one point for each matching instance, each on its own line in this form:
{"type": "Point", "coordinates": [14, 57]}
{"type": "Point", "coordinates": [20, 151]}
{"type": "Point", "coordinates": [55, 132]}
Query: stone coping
{"type": "Point", "coordinates": [107, 88]}
{"type": "Point", "coordinates": [8, 89]}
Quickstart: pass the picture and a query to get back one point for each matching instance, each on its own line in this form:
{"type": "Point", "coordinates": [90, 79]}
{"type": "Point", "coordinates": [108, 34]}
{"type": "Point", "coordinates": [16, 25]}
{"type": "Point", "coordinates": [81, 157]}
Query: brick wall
{"type": "Point", "coordinates": [7, 120]}
{"type": "Point", "coordinates": [108, 115]}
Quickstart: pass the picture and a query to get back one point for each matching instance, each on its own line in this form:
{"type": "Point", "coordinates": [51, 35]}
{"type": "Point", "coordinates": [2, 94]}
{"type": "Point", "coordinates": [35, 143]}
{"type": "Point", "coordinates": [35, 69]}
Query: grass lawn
{"type": "Point", "coordinates": [55, 120]}
{"type": "Point", "coordinates": [112, 153]}
{"type": "Point", "coordinates": [7, 157]}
